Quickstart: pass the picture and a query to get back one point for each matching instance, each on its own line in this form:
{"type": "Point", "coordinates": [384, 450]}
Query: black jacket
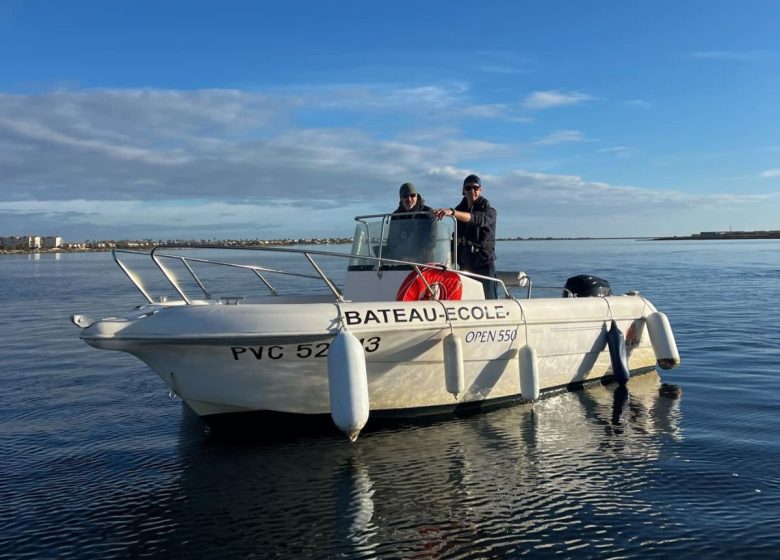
{"type": "Point", "coordinates": [477, 238]}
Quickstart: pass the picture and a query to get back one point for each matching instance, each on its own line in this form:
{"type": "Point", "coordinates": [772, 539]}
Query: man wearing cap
{"type": "Point", "coordinates": [411, 200]}
{"type": "Point", "coordinates": [409, 235]}
{"type": "Point", "coordinates": [476, 233]}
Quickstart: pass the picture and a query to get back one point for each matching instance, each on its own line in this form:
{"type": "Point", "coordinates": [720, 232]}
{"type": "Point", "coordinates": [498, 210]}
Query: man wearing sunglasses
{"type": "Point", "coordinates": [476, 233]}
{"type": "Point", "coordinates": [411, 200]}
{"type": "Point", "coordinates": [409, 235]}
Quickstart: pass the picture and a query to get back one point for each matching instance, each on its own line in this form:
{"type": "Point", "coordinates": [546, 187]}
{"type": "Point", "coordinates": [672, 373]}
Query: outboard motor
{"type": "Point", "coordinates": [585, 285]}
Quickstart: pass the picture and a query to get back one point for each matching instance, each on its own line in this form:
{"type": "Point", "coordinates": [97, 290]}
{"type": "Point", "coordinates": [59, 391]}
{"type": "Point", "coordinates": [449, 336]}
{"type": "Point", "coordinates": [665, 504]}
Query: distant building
{"type": "Point", "coordinates": [52, 242]}
{"type": "Point", "coordinates": [24, 242]}
{"type": "Point", "coordinates": [30, 242]}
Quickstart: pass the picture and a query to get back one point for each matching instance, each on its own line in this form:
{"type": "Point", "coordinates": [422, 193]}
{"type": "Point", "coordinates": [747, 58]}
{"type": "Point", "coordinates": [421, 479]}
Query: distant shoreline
{"type": "Point", "coordinates": [723, 237]}
{"type": "Point", "coordinates": [703, 236]}
{"type": "Point", "coordinates": [105, 246]}
{"type": "Point", "coordinates": [572, 238]}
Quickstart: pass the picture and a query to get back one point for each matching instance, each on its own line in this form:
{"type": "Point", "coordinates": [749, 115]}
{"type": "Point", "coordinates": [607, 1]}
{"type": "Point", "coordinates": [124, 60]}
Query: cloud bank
{"type": "Point", "coordinates": [154, 163]}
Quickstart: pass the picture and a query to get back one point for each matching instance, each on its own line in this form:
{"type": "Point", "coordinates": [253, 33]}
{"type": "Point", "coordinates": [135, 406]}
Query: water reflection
{"type": "Point", "coordinates": [564, 476]}
{"type": "Point", "coordinates": [620, 399]}
{"type": "Point", "coordinates": [493, 484]}
{"type": "Point", "coordinates": [355, 504]}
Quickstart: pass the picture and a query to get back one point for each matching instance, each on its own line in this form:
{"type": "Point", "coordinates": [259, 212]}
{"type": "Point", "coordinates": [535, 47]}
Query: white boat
{"type": "Point", "coordinates": [405, 335]}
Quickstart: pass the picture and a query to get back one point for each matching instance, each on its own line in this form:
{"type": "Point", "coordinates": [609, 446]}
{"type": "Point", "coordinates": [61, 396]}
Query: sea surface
{"type": "Point", "coordinates": [98, 461]}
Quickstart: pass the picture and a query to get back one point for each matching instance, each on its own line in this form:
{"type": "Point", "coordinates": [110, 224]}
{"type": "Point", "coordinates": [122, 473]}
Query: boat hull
{"type": "Point", "coordinates": [270, 359]}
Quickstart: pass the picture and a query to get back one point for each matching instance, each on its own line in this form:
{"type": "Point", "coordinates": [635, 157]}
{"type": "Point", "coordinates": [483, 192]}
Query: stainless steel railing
{"type": "Point", "coordinates": [261, 272]}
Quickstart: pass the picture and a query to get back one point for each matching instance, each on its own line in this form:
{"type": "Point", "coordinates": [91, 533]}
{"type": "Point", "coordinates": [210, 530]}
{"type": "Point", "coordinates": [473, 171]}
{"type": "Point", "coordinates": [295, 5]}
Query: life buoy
{"type": "Point", "coordinates": [445, 284]}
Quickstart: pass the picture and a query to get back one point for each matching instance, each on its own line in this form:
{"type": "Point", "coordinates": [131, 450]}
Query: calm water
{"type": "Point", "coordinates": [98, 462]}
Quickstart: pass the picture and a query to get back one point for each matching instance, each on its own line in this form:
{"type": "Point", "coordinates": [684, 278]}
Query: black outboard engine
{"type": "Point", "coordinates": [585, 285]}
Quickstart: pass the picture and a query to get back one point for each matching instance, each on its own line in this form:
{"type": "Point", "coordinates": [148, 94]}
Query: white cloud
{"type": "Point", "coordinates": [428, 96]}
{"type": "Point", "coordinates": [225, 163]}
{"type": "Point", "coordinates": [502, 69]}
{"type": "Point", "coordinates": [503, 62]}
{"type": "Point", "coordinates": [554, 98]}
{"type": "Point", "coordinates": [157, 145]}
{"type": "Point", "coordinates": [561, 137]}
{"type": "Point", "coordinates": [770, 173]}
{"type": "Point", "coordinates": [572, 190]}
{"type": "Point", "coordinates": [733, 56]}
{"type": "Point", "coordinates": [617, 151]}
{"type": "Point", "coordinates": [639, 103]}
{"type": "Point", "coordinates": [26, 130]}
{"type": "Point", "coordinates": [492, 111]}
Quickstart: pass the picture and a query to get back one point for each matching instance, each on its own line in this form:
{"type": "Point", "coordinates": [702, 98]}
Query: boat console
{"type": "Point", "coordinates": [388, 248]}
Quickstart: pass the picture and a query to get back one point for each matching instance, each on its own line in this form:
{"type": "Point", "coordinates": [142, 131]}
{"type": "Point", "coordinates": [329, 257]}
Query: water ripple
{"type": "Point", "coordinates": [98, 462]}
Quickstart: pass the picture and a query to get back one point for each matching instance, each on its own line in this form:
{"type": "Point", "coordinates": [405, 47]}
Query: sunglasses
{"type": "Point", "coordinates": [470, 188]}
{"type": "Point", "coordinates": [408, 196]}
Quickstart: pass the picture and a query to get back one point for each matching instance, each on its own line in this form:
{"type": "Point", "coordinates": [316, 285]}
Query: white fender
{"type": "Point", "coordinates": [453, 364]}
{"type": "Point", "coordinates": [529, 373]}
{"type": "Point", "coordinates": [348, 384]}
{"type": "Point", "coordinates": [662, 339]}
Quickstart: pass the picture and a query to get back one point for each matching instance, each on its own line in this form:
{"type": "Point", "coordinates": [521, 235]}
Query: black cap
{"type": "Point", "coordinates": [407, 188]}
{"type": "Point", "coordinates": [472, 180]}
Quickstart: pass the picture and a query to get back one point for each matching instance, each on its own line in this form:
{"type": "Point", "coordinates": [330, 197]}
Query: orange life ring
{"type": "Point", "coordinates": [445, 284]}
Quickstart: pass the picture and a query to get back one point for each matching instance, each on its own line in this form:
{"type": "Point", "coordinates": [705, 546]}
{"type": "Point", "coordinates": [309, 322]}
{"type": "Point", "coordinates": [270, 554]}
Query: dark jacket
{"type": "Point", "coordinates": [477, 238]}
{"type": "Point", "coordinates": [419, 207]}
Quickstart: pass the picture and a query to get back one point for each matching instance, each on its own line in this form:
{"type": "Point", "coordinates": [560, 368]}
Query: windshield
{"type": "Point", "coordinates": [414, 237]}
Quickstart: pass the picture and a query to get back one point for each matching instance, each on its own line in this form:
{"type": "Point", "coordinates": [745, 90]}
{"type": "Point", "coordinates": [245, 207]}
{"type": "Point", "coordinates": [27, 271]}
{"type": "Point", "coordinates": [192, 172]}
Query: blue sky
{"type": "Point", "coordinates": [265, 119]}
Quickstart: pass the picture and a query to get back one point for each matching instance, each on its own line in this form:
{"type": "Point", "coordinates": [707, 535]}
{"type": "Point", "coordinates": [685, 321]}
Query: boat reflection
{"type": "Point", "coordinates": [489, 484]}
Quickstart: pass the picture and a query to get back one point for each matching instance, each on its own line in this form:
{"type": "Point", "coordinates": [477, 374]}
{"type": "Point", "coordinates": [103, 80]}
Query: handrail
{"type": "Point", "coordinates": [158, 257]}
{"type": "Point", "coordinates": [385, 223]}
{"type": "Point", "coordinates": [195, 277]}
{"type": "Point", "coordinates": [170, 277]}
{"type": "Point", "coordinates": [130, 274]}
{"type": "Point", "coordinates": [328, 282]}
